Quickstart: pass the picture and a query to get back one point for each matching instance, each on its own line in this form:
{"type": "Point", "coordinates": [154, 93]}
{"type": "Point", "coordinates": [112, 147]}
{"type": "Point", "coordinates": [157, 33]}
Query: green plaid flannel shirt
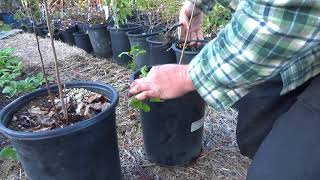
{"type": "Point", "coordinates": [264, 38]}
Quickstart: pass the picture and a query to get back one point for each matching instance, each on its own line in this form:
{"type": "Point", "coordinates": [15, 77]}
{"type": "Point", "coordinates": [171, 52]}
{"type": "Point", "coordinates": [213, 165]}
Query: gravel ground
{"type": "Point", "coordinates": [220, 158]}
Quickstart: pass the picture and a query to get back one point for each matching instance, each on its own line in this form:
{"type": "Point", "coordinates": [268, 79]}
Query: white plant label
{"type": "Point", "coordinates": [197, 125]}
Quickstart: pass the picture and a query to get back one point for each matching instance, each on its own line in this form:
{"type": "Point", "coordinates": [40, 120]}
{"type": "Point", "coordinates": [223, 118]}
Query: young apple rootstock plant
{"type": "Point", "coordinates": [135, 50]}
{"type": "Point", "coordinates": [142, 105]}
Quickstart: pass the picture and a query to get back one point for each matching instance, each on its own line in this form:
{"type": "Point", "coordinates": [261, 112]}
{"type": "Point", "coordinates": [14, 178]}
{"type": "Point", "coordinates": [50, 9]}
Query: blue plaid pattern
{"type": "Point", "coordinates": [263, 39]}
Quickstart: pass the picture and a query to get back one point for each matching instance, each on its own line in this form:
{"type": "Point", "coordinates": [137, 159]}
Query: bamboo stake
{"type": "Point", "coordinates": [188, 33]}
{"type": "Point", "coordinates": [64, 108]}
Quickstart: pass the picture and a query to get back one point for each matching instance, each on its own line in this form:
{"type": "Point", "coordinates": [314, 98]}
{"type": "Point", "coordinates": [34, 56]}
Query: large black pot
{"type": "Point", "coordinates": [188, 54]}
{"type": "Point", "coordinates": [173, 129]}
{"type": "Point", "coordinates": [120, 41]}
{"type": "Point", "coordinates": [138, 37]}
{"type": "Point", "coordinates": [83, 41]}
{"type": "Point", "coordinates": [85, 150]}
{"type": "Point", "coordinates": [67, 35]}
{"type": "Point", "coordinates": [160, 51]}
{"type": "Point", "coordinates": [100, 40]}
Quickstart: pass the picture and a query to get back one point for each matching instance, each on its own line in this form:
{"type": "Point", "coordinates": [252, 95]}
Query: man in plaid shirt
{"type": "Point", "coordinates": [267, 60]}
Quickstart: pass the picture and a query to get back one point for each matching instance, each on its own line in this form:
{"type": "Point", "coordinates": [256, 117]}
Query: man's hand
{"type": "Point", "coordinates": [196, 26]}
{"type": "Point", "coordinates": [164, 82]}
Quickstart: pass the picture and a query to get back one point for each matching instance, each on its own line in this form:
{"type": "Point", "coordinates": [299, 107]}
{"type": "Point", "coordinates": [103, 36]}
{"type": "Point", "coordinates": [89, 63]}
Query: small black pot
{"type": "Point", "coordinates": [67, 35]}
{"type": "Point", "coordinates": [40, 30]}
{"type": "Point", "coordinates": [120, 41]}
{"type": "Point", "coordinates": [8, 18]}
{"type": "Point", "coordinates": [83, 27]}
{"type": "Point", "coordinates": [100, 40]}
{"type": "Point", "coordinates": [85, 150]}
{"type": "Point", "coordinates": [173, 129]}
{"type": "Point", "coordinates": [160, 51]}
{"type": "Point", "coordinates": [56, 34]}
{"type": "Point", "coordinates": [188, 55]}
{"type": "Point", "coordinates": [138, 37]}
{"type": "Point", "coordinates": [83, 41]}
{"type": "Point", "coordinates": [29, 27]}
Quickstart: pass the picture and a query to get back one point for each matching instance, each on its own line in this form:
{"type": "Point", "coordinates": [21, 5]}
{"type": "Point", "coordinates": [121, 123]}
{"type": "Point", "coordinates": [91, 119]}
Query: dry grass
{"type": "Point", "coordinates": [220, 158]}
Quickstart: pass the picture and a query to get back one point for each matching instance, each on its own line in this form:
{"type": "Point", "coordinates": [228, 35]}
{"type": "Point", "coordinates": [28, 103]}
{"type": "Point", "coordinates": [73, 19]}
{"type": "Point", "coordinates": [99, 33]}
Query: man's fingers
{"type": "Point", "coordinates": [146, 95]}
{"type": "Point", "coordinates": [200, 35]}
{"type": "Point", "coordinates": [193, 38]}
{"type": "Point", "coordinates": [139, 86]}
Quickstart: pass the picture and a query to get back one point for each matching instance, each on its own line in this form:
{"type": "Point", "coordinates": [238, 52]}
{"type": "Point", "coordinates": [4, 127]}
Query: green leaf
{"type": "Point", "coordinates": [9, 153]}
{"type": "Point", "coordinates": [141, 52]}
{"type": "Point", "coordinates": [145, 107]}
{"type": "Point", "coordinates": [7, 90]}
{"type": "Point", "coordinates": [136, 104]}
{"type": "Point", "coordinates": [144, 71]}
{"type": "Point", "coordinates": [156, 100]}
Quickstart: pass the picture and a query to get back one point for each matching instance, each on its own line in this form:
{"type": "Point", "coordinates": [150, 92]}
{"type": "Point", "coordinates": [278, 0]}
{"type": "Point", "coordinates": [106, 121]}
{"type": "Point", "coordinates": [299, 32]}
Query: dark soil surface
{"type": "Point", "coordinates": [40, 115]}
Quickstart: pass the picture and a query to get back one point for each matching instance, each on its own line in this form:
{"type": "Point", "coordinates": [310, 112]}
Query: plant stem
{"type": "Point", "coordinates": [44, 71]}
{"type": "Point", "coordinates": [29, 14]}
{"type": "Point", "coordinates": [64, 108]}
{"type": "Point", "coordinates": [188, 33]}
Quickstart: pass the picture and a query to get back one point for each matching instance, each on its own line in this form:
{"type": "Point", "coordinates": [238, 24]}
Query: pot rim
{"type": "Point", "coordinates": [8, 110]}
{"type": "Point", "coordinates": [134, 26]}
{"type": "Point", "coordinates": [97, 26]}
{"type": "Point", "coordinates": [176, 49]}
{"type": "Point", "coordinates": [149, 40]}
{"type": "Point", "coordinates": [160, 30]}
{"type": "Point", "coordinates": [79, 33]}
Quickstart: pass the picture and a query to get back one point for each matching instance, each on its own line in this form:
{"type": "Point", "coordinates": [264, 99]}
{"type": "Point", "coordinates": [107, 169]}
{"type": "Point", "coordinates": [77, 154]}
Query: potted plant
{"type": "Point", "coordinates": [138, 37]}
{"type": "Point", "coordinates": [160, 50]}
{"type": "Point", "coordinates": [121, 10]}
{"type": "Point", "coordinates": [99, 34]}
{"type": "Point", "coordinates": [172, 129]}
{"type": "Point", "coordinates": [36, 18]}
{"type": "Point", "coordinates": [7, 16]}
{"type": "Point", "coordinates": [69, 133]}
{"type": "Point", "coordinates": [190, 51]}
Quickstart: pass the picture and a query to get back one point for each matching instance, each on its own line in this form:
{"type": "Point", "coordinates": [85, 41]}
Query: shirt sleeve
{"type": "Point", "coordinates": [260, 40]}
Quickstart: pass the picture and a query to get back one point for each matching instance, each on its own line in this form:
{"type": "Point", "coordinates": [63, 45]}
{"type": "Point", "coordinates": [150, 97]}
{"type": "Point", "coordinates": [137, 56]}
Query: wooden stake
{"type": "Point", "coordinates": [188, 33]}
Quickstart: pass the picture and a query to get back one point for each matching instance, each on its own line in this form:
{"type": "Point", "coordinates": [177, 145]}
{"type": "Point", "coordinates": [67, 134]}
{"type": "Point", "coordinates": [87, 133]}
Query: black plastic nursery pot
{"type": "Point", "coordinates": [160, 51]}
{"type": "Point", "coordinates": [56, 34]}
{"type": "Point", "coordinates": [120, 42]}
{"type": "Point", "coordinates": [29, 27]}
{"type": "Point", "coordinates": [67, 35]}
{"type": "Point", "coordinates": [85, 150]}
{"type": "Point", "coordinates": [8, 18]}
{"type": "Point", "coordinates": [188, 54]}
{"type": "Point", "coordinates": [40, 30]}
{"type": "Point", "coordinates": [83, 41]}
{"type": "Point", "coordinates": [100, 40]}
{"type": "Point", "coordinates": [83, 27]}
{"type": "Point", "coordinates": [173, 129]}
{"type": "Point", "coordinates": [138, 37]}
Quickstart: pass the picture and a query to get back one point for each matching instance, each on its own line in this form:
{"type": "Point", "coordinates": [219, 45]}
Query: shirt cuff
{"type": "Point", "coordinates": [216, 94]}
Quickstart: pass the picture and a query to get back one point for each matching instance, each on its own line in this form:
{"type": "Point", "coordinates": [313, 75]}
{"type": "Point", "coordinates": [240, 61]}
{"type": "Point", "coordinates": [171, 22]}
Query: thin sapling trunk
{"type": "Point", "coordinates": [64, 108]}
{"type": "Point", "coordinates": [29, 14]}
